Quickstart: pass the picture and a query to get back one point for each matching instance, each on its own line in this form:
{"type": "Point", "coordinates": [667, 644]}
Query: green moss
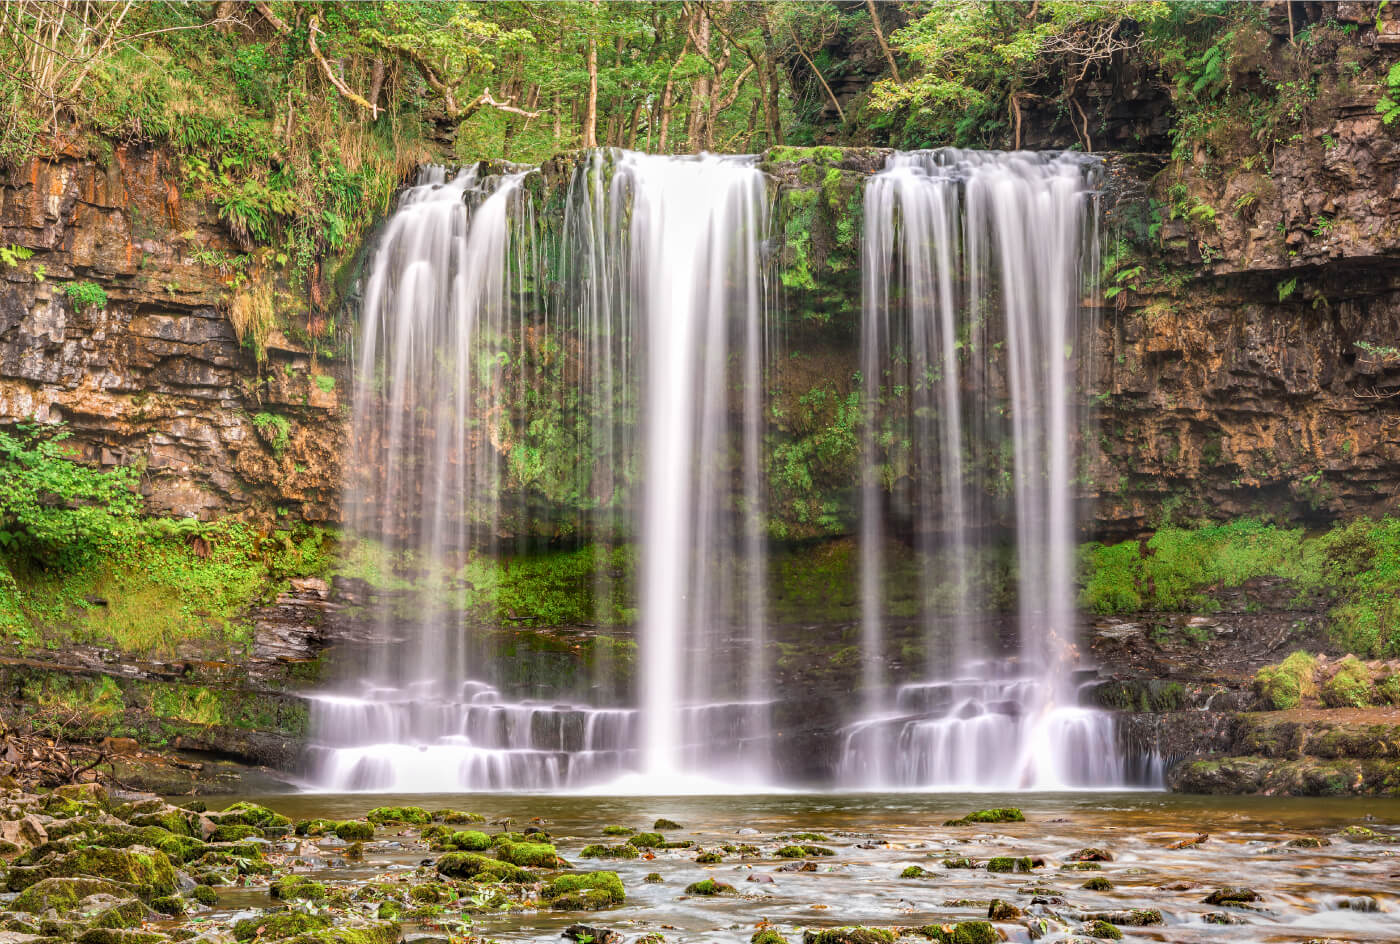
{"type": "Point", "coordinates": [590, 891]}
{"type": "Point", "coordinates": [457, 817]}
{"type": "Point", "coordinates": [1349, 686]}
{"type": "Point", "coordinates": [912, 871]}
{"type": "Point", "coordinates": [354, 829]}
{"type": "Point", "coordinates": [1284, 686]}
{"type": "Point", "coordinates": [1098, 884]}
{"type": "Point", "coordinates": [849, 935]}
{"type": "Point", "coordinates": [172, 905]}
{"type": "Point", "coordinates": [709, 888]}
{"type": "Point", "coordinates": [618, 830]}
{"type": "Point", "coordinates": [961, 862]}
{"type": "Point", "coordinates": [1007, 814]}
{"type": "Point", "coordinates": [466, 840]}
{"type": "Point", "coordinates": [528, 854]}
{"type": "Point", "coordinates": [379, 932]}
{"type": "Point", "coordinates": [62, 894]}
{"type": "Point", "coordinates": [664, 823]}
{"type": "Point", "coordinates": [1103, 930]}
{"type": "Point", "coordinates": [409, 815]}
{"type": "Point", "coordinates": [1010, 864]}
{"type": "Point", "coordinates": [296, 888]}
{"type": "Point", "coordinates": [621, 851]}
{"type": "Point", "coordinates": [315, 827]}
{"type": "Point", "coordinates": [251, 814]}
{"type": "Point", "coordinates": [804, 851]}
{"type": "Point", "coordinates": [234, 832]}
{"type": "Point", "coordinates": [767, 936]}
{"type": "Point", "coordinates": [205, 895]}
{"type": "Point", "coordinates": [964, 932]}
{"type": "Point", "coordinates": [709, 858]}
{"type": "Point", "coordinates": [470, 865]}
{"type": "Point", "coordinates": [648, 840]}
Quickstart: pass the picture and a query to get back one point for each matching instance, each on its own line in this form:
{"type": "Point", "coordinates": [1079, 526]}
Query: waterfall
{"type": "Point", "coordinates": [662, 294]}
{"type": "Point", "coordinates": [970, 342]}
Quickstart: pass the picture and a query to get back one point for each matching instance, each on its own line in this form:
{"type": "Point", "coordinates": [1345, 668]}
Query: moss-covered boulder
{"type": "Point", "coordinates": [590, 891]}
{"type": "Point", "coordinates": [767, 936]}
{"type": "Point", "coordinates": [648, 841]}
{"type": "Point", "coordinates": [1003, 814]}
{"type": "Point", "coordinates": [120, 936]}
{"type": "Point", "coordinates": [851, 935]}
{"type": "Point", "coordinates": [664, 823]}
{"type": "Point", "coordinates": [1103, 930]}
{"type": "Point", "coordinates": [457, 817]}
{"type": "Point", "coordinates": [463, 840]}
{"type": "Point", "coordinates": [278, 925]}
{"type": "Point", "coordinates": [352, 830]}
{"type": "Point", "coordinates": [62, 894]}
{"type": "Point", "coordinates": [297, 888]}
{"type": "Point", "coordinates": [470, 865]}
{"type": "Point", "coordinates": [1231, 896]}
{"type": "Point", "coordinates": [399, 815]}
{"type": "Point", "coordinates": [141, 869]}
{"type": "Point", "coordinates": [708, 887]}
{"type": "Point", "coordinates": [1010, 864]}
{"type": "Point", "coordinates": [804, 852]}
{"type": "Point", "coordinates": [618, 830]}
{"type": "Point", "coordinates": [600, 851]}
{"type": "Point", "coordinates": [963, 932]}
{"type": "Point", "coordinates": [370, 932]}
{"type": "Point", "coordinates": [539, 855]}
{"type": "Point", "coordinates": [234, 832]}
{"type": "Point", "coordinates": [251, 814]}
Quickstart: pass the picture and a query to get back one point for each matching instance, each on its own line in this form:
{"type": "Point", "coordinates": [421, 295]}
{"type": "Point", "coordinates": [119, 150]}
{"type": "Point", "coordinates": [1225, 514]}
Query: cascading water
{"type": "Point", "coordinates": [663, 297]}
{"type": "Point", "coordinates": [970, 336]}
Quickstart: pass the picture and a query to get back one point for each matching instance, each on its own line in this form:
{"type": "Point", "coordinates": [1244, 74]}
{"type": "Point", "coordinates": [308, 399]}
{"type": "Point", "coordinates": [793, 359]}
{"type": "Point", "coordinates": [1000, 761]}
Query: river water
{"type": "Point", "coordinates": [1344, 890]}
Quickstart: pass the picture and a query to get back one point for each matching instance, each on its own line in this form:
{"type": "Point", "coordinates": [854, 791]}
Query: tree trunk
{"type": "Point", "coordinates": [880, 36]}
{"type": "Point", "coordinates": [590, 116]}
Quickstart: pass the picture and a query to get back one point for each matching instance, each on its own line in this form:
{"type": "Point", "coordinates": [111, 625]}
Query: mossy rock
{"type": "Point", "coordinates": [600, 851]}
{"type": "Point", "coordinates": [120, 936]}
{"type": "Point", "coordinates": [172, 821]}
{"type": "Point", "coordinates": [144, 870]}
{"type": "Point", "coordinates": [589, 891]}
{"type": "Point", "coordinates": [234, 832]}
{"type": "Point", "coordinates": [664, 823]}
{"type": "Point", "coordinates": [851, 935]}
{"type": "Point", "coordinates": [964, 932]}
{"type": "Point", "coordinates": [998, 910]}
{"type": "Point", "coordinates": [401, 815]}
{"type": "Point", "coordinates": [470, 865]}
{"type": "Point", "coordinates": [1098, 884]}
{"type": "Point", "coordinates": [374, 932]}
{"type": "Point", "coordinates": [709, 858]}
{"type": "Point", "coordinates": [1231, 896]}
{"type": "Point", "coordinates": [107, 911]}
{"type": "Point", "coordinates": [959, 862]}
{"type": "Point", "coordinates": [91, 793]}
{"type": "Point", "coordinates": [172, 905]}
{"type": "Point", "coordinates": [352, 830]}
{"type": "Point", "coordinates": [1349, 686]}
{"type": "Point", "coordinates": [315, 827]}
{"type": "Point", "coordinates": [297, 888]}
{"type": "Point", "coordinates": [1003, 814]}
{"type": "Point", "coordinates": [807, 837]}
{"type": "Point", "coordinates": [62, 894]}
{"type": "Point", "coordinates": [278, 925]}
{"type": "Point", "coordinates": [804, 852]}
{"type": "Point", "coordinates": [463, 840]}
{"type": "Point", "coordinates": [1132, 917]}
{"type": "Point", "coordinates": [251, 814]}
{"type": "Point", "coordinates": [708, 887]}
{"type": "Point", "coordinates": [457, 817]}
{"type": "Point", "coordinates": [429, 893]}
{"type": "Point", "coordinates": [205, 895]}
{"type": "Point", "coordinates": [1010, 864]}
{"type": "Point", "coordinates": [1103, 930]}
{"type": "Point", "coordinates": [653, 878]}
{"type": "Point", "coordinates": [618, 830]}
{"type": "Point", "coordinates": [913, 871]}
{"type": "Point", "coordinates": [648, 841]}
{"type": "Point", "coordinates": [1308, 842]}
{"type": "Point", "coordinates": [1090, 854]}
{"type": "Point", "coordinates": [767, 936]}
{"type": "Point", "coordinates": [540, 855]}
{"type": "Point", "coordinates": [389, 911]}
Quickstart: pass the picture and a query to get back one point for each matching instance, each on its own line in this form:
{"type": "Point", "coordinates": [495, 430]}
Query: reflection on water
{"type": "Point", "coordinates": [1344, 890]}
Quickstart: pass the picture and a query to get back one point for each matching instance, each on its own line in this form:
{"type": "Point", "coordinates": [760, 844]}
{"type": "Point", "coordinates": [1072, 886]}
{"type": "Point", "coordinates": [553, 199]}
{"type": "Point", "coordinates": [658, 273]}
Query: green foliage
{"type": "Point", "coordinates": [276, 429]}
{"type": "Point", "coordinates": [324, 382]}
{"type": "Point", "coordinates": [1285, 685]}
{"type": "Point", "coordinates": [11, 256]}
{"type": "Point", "coordinates": [54, 508]}
{"type": "Point", "coordinates": [1363, 568]}
{"type": "Point", "coordinates": [85, 296]}
{"type": "Point", "coordinates": [1349, 686]}
{"type": "Point", "coordinates": [1388, 107]}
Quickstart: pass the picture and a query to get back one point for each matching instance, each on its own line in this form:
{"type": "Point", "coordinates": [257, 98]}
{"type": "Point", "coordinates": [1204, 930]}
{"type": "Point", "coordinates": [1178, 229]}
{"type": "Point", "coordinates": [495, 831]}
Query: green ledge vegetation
{"type": "Point", "coordinates": [1354, 567]}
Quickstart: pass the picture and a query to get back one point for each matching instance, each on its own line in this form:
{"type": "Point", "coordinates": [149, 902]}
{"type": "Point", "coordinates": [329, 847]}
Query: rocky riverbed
{"type": "Point", "coordinates": [97, 867]}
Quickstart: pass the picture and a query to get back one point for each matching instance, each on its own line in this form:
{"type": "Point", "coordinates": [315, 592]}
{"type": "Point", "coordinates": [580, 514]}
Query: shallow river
{"type": "Point", "coordinates": [1345, 890]}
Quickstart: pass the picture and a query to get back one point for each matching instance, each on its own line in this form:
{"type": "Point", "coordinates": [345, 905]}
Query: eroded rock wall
{"type": "Point", "coordinates": [157, 377]}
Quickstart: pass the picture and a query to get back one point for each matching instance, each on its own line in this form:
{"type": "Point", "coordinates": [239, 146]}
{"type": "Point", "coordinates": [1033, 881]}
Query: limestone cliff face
{"type": "Point", "coordinates": [157, 377]}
